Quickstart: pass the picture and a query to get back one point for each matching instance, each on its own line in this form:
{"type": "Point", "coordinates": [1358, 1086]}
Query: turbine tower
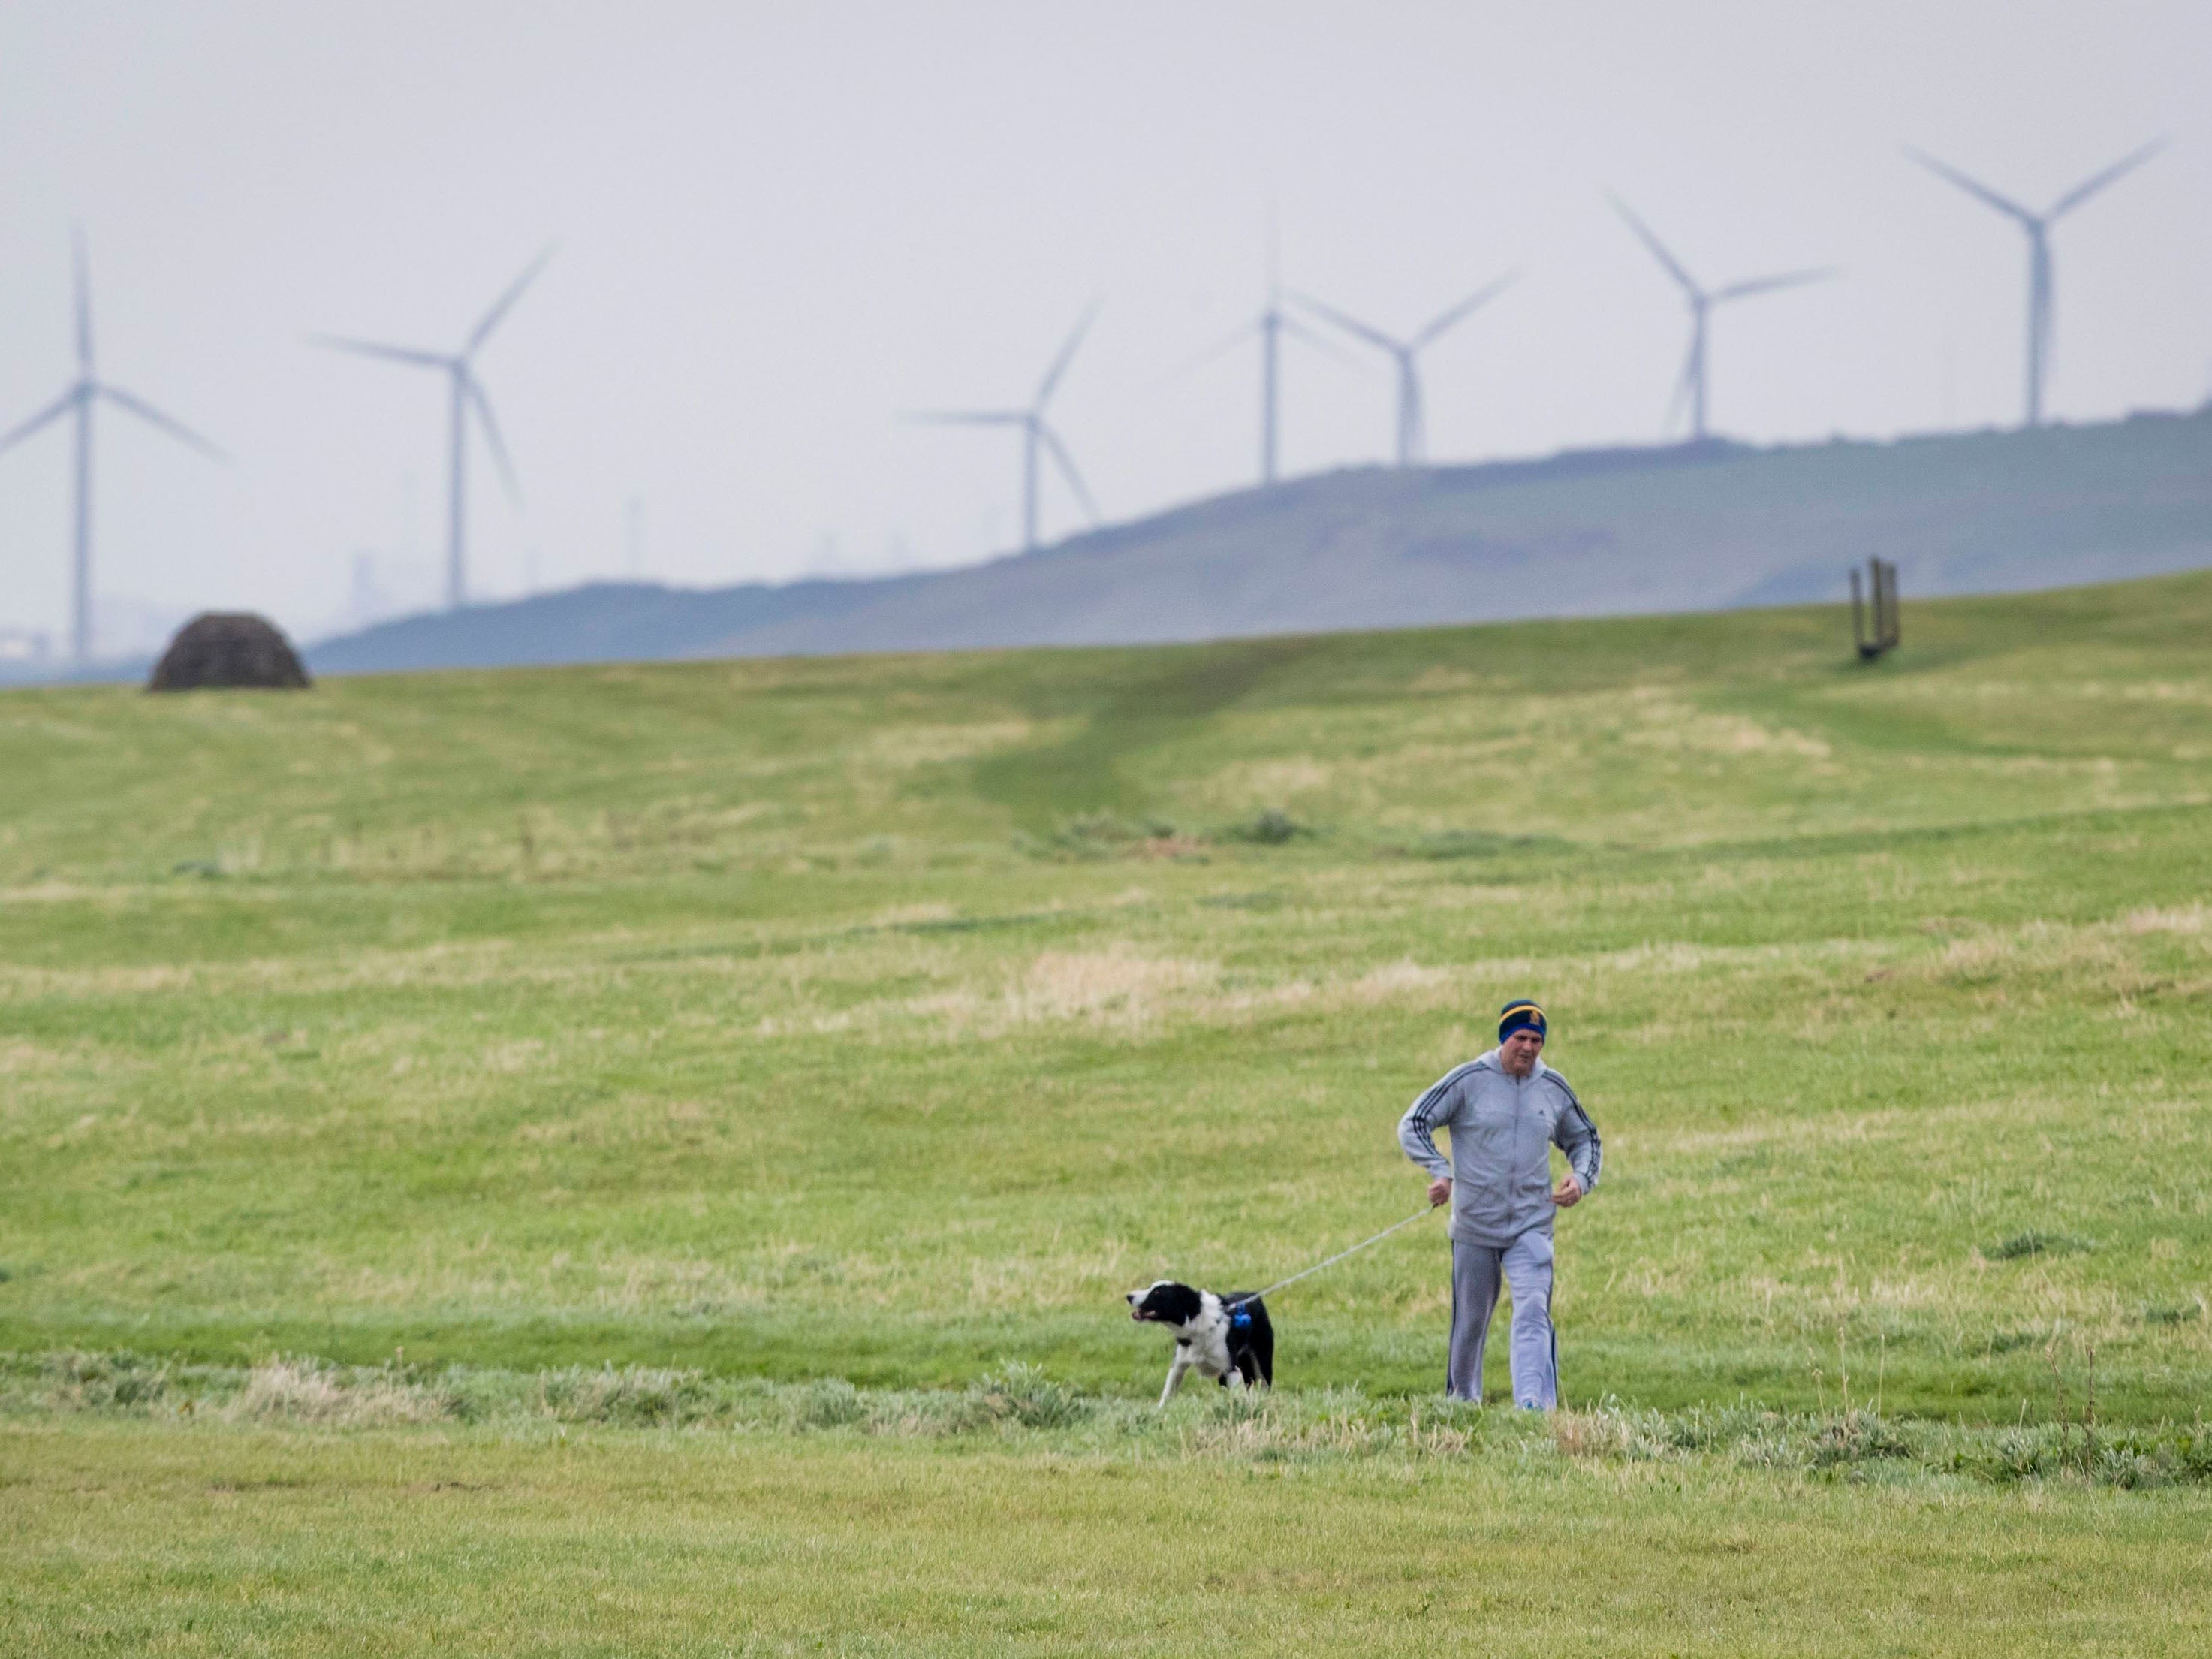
{"type": "Point", "coordinates": [1036, 433]}
{"type": "Point", "coordinates": [467, 393]}
{"type": "Point", "coordinates": [1692, 384]}
{"type": "Point", "coordinates": [83, 392]}
{"type": "Point", "coordinates": [2037, 227]}
{"type": "Point", "coordinates": [1412, 434]}
{"type": "Point", "coordinates": [1271, 325]}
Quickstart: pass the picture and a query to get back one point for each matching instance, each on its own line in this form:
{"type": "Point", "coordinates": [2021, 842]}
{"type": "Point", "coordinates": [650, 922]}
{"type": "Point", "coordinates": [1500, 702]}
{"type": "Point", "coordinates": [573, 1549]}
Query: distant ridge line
{"type": "Point", "coordinates": [1625, 528]}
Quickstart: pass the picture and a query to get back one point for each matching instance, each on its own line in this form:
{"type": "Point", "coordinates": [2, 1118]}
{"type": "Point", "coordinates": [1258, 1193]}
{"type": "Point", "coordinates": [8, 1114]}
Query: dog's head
{"type": "Point", "coordinates": [1165, 1303]}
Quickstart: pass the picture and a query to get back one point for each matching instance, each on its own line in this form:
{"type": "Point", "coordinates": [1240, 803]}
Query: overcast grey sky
{"type": "Point", "coordinates": [781, 224]}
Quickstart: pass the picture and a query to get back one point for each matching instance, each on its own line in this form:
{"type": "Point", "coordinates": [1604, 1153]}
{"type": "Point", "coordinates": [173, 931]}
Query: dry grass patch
{"type": "Point", "coordinates": [922, 745]}
{"type": "Point", "coordinates": [1119, 988]}
{"type": "Point", "coordinates": [1670, 724]}
{"type": "Point", "coordinates": [2187, 918]}
{"type": "Point", "coordinates": [283, 1390]}
{"type": "Point", "coordinates": [1119, 984]}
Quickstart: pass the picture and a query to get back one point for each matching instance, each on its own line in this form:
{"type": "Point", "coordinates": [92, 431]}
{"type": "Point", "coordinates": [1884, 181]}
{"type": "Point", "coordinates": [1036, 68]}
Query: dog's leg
{"type": "Point", "coordinates": [1234, 1379]}
{"type": "Point", "coordinates": [1177, 1367]}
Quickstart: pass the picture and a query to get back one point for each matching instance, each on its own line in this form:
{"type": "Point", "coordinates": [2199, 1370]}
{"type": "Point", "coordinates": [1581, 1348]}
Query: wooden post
{"type": "Point", "coordinates": [1880, 594]}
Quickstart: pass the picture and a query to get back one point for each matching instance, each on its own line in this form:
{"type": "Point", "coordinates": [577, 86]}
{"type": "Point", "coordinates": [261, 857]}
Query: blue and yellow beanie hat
{"type": "Point", "coordinates": [1520, 1016]}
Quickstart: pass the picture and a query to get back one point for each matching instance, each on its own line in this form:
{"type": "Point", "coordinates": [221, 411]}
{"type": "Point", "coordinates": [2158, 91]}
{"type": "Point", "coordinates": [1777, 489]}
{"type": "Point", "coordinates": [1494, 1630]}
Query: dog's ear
{"type": "Point", "coordinates": [1167, 1302]}
{"type": "Point", "coordinates": [1178, 1304]}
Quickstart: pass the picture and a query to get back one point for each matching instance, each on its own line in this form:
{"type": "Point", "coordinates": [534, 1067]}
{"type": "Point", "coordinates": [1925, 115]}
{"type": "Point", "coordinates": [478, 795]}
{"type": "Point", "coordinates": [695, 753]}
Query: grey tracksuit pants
{"type": "Point", "coordinates": [1525, 1267]}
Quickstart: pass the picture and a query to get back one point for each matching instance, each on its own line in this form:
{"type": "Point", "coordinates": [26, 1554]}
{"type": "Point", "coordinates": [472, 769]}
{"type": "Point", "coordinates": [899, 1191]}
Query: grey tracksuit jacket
{"type": "Point", "coordinates": [1502, 1130]}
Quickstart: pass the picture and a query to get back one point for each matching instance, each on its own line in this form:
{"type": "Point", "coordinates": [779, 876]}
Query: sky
{"type": "Point", "coordinates": [779, 227]}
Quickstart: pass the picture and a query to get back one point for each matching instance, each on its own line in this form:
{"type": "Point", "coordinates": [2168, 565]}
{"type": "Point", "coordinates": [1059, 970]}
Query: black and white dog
{"type": "Point", "coordinates": [1226, 1337]}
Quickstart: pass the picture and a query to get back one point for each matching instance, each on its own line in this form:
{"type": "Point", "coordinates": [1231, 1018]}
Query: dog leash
{"type": "Point", "coordinates": [1281, 1284]}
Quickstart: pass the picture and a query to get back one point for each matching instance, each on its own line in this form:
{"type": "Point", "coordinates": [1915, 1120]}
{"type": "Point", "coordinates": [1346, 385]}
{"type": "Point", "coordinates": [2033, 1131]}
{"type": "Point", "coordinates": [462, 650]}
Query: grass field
{"type": "Point", "coordinates": [812, 1043]}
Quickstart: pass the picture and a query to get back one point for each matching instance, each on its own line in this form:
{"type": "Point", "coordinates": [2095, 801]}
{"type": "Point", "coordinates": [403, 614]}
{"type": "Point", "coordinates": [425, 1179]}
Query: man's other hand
{"type": "Point", "coordinates": [1440, 1191]}
{"type": "Point", "coordinates": [1566, 1195]}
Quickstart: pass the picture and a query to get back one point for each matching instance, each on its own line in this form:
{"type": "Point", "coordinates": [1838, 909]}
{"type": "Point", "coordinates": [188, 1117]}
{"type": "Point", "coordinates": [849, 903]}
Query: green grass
{"type": "Point", "coordinates": [123, 1539]}
{"type": "Point", "coordinates": [876, 1022]}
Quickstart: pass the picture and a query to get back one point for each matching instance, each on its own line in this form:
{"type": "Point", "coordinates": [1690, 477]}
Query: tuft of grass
{"type": "Point", "coordinates": [628, 1396]}
{"type": "Point", "coordinates": [1110, 835]}
{"type": "Point", "coordinates": [827, 1402]}
{"type": "Point", "coordinates": [1271, 828]}
{"type": "Point", "coordinates": [1021, 1394]}
{"type": "Point", "coordinates": [1484, 844]}
{"type": "Point", "coordinates": [284, 1389]}
{"type": "Point", "coordinates": [118, 1380]}
{"type": "Point", "coordinates": [2032, 1242]}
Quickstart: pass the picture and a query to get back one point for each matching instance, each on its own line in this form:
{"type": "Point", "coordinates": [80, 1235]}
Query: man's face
{"type": "Point", "coordinates": [1519, 1053]}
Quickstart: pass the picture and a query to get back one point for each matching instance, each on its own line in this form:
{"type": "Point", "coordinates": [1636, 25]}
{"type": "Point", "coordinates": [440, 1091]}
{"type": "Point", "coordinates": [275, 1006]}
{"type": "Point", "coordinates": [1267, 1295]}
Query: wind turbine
{"type": "Point", "coordinates": [2037, 227]}
{"type": "Point", "coordinates": [1036, 433]}
{"type": "Point", "coordinates": [467, 393]}
{"type": "Point", "coordinates": [85, 391]}
{"type": "Point", "coordinates": [1693, 383]}
{"type": "Point", "coordinates": [1271, 325]}
{"type": "Point", "coordinates": [1412, 435]}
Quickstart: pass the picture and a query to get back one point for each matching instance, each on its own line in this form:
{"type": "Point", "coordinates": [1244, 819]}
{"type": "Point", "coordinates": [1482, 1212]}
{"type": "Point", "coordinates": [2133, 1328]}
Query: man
{"type": "Point", "coordinates": [1506, 1112]}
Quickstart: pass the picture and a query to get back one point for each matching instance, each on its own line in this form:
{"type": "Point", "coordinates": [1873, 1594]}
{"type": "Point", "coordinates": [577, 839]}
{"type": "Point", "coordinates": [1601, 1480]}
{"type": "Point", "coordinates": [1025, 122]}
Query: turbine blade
{"type": "Point", "coordinates": [1314, 338]}
{"type": "Point", "coordinates": [505, 303]}
{"type": "Point", "coordinates": [2082, 192]}
{"type": "Point", "coordinates": [966, 417]}
{"type": "Point", "coordinates": [1068, 469]}
{"type": "Point", "coordinates": [83, 301]}
{"type": "Point", "coordinates": [1473, 302]}
{"type": "Point", "coordinates": [1658, 249]}
{"type": "Point", "coordinates": [1221, 348]}
{"type": "Point", "coordinates": [1353, 325]}
{"type": "Point", "coordinates": [1066, 353]}
{"type": "Point", "coordinates": [52, 412]}
{"type": "Point", "coordinates": [475, 393]}
{"type": "Point", "coordinates": [392, 353]}
{"type": "Point", "coordinates": [1972, 187]}
{"type": "Point", "coordinates": [1767, 285]}
{"type": "Point", "coordinates": [146, 412]}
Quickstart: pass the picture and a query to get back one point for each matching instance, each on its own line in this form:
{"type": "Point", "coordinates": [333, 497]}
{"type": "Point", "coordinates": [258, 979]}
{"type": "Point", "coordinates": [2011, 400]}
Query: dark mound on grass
{"type": "Point", "coordinates": [228, 649]}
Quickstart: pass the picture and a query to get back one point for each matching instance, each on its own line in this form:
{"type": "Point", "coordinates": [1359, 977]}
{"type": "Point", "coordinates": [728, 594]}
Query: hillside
{"type": "Point", "coordinates": [1625, 531]}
